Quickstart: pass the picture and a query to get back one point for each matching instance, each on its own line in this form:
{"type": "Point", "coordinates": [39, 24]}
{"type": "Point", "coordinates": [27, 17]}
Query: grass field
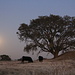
{"type": "Point", "coordinates": [47, 67]}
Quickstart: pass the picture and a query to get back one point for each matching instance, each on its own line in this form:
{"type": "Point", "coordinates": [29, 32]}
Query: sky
{"type": "Point", "coordinates": [15, 12]}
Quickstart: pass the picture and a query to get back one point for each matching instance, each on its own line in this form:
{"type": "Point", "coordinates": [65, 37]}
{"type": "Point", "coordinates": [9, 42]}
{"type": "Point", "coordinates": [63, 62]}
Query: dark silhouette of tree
{"type": "Point", "coordinates": [49, 34]}
{"type": "Point", "coordinates": [5, 58]}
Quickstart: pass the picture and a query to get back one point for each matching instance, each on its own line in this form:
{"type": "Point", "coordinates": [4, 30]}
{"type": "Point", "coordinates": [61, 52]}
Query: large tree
{"type": "Point", "coordinates": [49, 34]}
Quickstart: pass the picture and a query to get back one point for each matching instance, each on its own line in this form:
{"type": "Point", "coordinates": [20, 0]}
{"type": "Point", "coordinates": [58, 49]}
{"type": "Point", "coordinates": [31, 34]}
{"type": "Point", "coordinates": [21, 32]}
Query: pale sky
{"type": "Point", "coordinates": [15, 12]}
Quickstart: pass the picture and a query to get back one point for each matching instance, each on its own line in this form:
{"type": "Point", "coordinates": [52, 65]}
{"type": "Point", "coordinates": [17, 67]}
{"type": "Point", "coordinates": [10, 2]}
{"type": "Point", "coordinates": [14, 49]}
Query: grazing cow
{"type": "Point", "coordinates": [40, 58]}
{"type": "Point", "coordinates": [26, 58]}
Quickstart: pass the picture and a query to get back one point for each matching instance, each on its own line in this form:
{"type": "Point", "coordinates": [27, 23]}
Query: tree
{"type": "Point", "coordinates": [49, 34]}
{"type": "Point", "coordinates": [5, 58]}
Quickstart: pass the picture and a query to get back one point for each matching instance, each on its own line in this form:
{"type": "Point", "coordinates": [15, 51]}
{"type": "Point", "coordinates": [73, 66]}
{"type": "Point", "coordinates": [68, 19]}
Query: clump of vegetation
{"type": "Point", "coordinates": [5, 58]}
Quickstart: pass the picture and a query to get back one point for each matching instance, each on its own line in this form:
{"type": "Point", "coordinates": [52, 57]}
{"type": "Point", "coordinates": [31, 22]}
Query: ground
{"type": "Point", "coordinates": [47, 67]}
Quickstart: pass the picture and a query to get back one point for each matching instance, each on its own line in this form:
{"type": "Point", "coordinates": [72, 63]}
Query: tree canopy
{"type": "Point", "coordinates": [49, 34]}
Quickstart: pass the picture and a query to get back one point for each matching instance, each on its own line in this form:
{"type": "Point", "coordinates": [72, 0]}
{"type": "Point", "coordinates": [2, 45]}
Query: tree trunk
{"type": "Point", "coordinates": [56, 54]}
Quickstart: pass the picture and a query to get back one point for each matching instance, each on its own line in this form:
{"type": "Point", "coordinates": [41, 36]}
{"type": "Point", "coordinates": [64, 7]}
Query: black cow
{"type": "Point", "coordinates": [26, 58]}
{"type": "Point", "coordinates": [40, 58]}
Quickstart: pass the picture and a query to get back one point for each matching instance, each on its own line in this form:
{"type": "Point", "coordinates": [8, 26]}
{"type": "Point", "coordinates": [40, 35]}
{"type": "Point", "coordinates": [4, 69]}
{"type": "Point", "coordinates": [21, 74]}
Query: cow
{"type": "Point", "coordinates": [40, 58]}
{"type": "Point", "coordinates": [26, 58]}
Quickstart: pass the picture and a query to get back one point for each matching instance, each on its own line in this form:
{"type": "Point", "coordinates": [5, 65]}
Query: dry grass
{"type": "Point", "coordinates": [67, 56]}
{"type": "Point", "coordinates": [47, 67]}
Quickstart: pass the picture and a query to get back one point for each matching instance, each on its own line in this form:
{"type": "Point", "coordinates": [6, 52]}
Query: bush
{"type": "Point", "coordinates": [5, 58]}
